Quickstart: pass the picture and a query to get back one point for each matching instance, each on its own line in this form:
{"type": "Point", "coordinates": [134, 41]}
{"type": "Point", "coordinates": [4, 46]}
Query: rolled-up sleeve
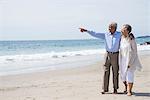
{"type": "Point", "coordinates": [97, 35]}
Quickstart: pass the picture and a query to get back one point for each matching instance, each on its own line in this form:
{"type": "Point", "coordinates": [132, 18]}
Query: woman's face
{"type": "Point", "coordinates": [124, 31]}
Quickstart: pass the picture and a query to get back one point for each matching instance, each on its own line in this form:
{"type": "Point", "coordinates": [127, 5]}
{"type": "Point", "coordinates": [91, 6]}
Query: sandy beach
{"type": "Point", "coordinates": [72, 84]}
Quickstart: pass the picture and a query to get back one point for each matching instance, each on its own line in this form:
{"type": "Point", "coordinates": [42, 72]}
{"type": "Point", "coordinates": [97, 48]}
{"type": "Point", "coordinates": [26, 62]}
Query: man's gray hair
{"type": "Point", "coordinates": [113, 24]}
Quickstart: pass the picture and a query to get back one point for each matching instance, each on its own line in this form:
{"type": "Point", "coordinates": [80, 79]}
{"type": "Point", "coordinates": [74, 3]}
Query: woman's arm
{"type": "Point", "coordinates": [133, 53]}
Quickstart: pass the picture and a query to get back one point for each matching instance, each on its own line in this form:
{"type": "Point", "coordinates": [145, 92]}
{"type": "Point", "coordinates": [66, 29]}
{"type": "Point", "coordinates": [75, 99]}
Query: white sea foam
{"type": "Point", "coordinates": [43, 56]}
{"type": "Point", "coordinates": [16, 64]}
{"type": "Point", "coordinates": [143, 47]}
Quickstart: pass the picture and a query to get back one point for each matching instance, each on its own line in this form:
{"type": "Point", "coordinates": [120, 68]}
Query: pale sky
{"type": "Point", "coordinates": [60, 19]}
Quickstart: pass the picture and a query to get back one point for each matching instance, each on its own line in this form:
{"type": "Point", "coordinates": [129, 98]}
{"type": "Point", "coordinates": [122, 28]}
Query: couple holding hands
{"type": "Point", "coordinates": [121, 54]}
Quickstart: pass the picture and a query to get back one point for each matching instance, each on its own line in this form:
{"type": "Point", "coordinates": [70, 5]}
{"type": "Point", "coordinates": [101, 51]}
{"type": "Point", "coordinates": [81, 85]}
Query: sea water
{"type": "Point", "coordinates": [36, 55]}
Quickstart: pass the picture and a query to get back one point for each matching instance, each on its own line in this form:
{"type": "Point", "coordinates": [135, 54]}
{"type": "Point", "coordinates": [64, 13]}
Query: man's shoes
{"type": "Point", "coordinates": [125, 91]}
{"type": "Point", "coordinates": [103, 92]}
{"type": "Point", "coordinates": [115, 91]}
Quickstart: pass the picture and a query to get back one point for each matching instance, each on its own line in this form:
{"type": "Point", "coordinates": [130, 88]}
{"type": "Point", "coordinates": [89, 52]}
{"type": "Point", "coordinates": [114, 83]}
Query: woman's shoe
{"type": "Point", "coordinates": [129, 94]}
{"type": "Point", "coordinates": [130, 85]}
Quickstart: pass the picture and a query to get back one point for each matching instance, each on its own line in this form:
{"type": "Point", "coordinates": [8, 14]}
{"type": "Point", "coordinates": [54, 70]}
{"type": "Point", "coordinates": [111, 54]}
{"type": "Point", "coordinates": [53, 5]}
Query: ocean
{"type": "Point", "coordinates": [48, 46]}
{"type": "Point", "coordinates": [27, 56]}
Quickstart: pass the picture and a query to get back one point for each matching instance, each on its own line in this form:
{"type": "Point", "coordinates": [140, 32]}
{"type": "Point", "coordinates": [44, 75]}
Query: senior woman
{"type": "Point", "coordinates": [128, 58]}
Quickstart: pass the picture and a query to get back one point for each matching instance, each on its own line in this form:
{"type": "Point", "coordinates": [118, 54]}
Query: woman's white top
{"type": "Point", "coordinates": [128, 55]}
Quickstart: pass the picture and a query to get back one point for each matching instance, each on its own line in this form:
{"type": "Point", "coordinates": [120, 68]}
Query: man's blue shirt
{"type": "Point", "coordinates": [112, 41]}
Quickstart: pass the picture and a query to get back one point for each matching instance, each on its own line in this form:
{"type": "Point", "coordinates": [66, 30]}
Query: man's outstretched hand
{"type": "Point", "coordinates": [82, 30]}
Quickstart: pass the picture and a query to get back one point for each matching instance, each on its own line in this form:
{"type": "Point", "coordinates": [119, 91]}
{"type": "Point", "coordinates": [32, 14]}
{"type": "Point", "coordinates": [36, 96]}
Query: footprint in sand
{"type": "Point", "coordinates": [29, 98]}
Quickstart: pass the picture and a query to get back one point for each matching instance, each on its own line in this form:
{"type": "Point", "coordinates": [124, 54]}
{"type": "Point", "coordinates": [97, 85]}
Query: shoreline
{"type": "Point", "coordinates": [53, 64]}
{"type": "Point", "coordinates": [83, 83]}
{"type": "Point", "coordinates": [60, 64]}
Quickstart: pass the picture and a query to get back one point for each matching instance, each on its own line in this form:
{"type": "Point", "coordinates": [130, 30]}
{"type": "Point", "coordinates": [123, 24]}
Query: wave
{"type": "Point", "coordinates": [143, 47]}
{"type": "Point", "coordinates": [54, 55]}
{"type": "Point", "coordinates": [13, 64]}
{"type": "Point", "coordinates": [42, 56]}
{"type": "Point", "coordinates": [17, 64]}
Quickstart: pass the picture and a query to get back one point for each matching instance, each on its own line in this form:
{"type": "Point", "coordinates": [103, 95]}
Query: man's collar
{"type": "Point", "coordinates": [113, 33]}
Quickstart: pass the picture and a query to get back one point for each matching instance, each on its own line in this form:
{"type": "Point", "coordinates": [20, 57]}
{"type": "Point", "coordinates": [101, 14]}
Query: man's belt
{"type": "Point", "coordinates": [112, 52]}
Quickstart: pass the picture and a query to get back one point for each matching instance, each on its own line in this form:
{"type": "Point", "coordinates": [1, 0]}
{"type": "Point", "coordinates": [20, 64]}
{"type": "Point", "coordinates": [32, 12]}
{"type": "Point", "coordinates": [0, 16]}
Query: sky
{"type": "Point", "coordinates": [60, 19]}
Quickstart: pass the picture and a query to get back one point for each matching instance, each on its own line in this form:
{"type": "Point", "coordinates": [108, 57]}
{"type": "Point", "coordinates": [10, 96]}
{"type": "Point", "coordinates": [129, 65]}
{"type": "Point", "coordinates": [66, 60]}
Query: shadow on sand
{"type": "Point", "coordinates": [134, 94]}
{"type": "Point", "coordinates": [142, 94]}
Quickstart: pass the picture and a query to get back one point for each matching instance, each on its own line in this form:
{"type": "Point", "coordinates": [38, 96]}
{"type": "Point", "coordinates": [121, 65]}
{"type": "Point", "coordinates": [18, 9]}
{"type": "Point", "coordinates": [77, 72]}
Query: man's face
{"type": "Point", "coordinates": [112, 29]}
